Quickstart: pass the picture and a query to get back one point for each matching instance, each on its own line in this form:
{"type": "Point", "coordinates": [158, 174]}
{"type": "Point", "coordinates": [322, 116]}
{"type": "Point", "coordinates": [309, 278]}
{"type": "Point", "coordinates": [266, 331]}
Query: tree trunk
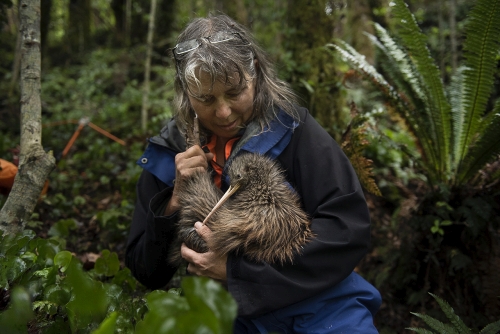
{"type": "Point", "coordinates": [315, 76]}
{"type": "Point", "coordinates": [147, 68]}
{"type": "Point", "coordinates": [34, 164]}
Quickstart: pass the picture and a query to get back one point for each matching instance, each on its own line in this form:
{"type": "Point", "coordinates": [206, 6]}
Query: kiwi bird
{"type": "Point", "coordinates": [260, 215]}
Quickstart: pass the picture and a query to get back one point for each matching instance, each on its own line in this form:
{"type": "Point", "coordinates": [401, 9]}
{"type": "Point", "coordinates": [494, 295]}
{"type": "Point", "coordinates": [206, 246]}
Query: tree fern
{"type": "Point", "coordinates": [480, 51]}
{"type": "Point", "coordinates": [439, 110]}
{"type": "Point", "coordinates": [456, 134]}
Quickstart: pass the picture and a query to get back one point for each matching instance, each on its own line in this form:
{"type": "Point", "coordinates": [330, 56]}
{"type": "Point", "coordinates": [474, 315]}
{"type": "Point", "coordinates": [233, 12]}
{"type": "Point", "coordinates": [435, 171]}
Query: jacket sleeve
{"type": "Point", "coordinates": [151, 234]}
{"type": "Point", "coordinates": [333, 198]}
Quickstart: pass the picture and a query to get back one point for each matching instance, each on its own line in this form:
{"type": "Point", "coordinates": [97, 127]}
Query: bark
{"type": "Point", "coordinates": [147, 68]}
{"type": "Point", "coordinates": [34, 164]}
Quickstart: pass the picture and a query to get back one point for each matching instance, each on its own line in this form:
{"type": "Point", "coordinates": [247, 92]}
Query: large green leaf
{"type": "Point", "coordinates": [15, 319]}
{"type": "Point", "coordinates": [206, 308]}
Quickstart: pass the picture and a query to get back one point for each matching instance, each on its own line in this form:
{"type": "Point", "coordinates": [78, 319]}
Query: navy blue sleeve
{"type": "Point", "coordinates": [151, 234]}
{"type": "Point", "coordinates": [333, 198]}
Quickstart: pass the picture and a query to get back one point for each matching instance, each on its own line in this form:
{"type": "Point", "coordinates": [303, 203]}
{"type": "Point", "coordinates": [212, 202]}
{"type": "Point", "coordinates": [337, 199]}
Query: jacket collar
{"type": "Point", "coordinates": [159, 156]}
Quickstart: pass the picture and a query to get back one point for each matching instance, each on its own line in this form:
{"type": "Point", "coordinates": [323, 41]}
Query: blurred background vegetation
{"type": "Point", "coordinates": [427, 237]}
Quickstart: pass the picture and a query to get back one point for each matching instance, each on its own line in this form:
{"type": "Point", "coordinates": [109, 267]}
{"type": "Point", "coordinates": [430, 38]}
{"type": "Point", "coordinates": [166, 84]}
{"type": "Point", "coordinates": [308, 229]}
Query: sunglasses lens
{"type": "Point", "coordinates": [221, 36]}
{"type": "Point", "coordinates": [186, 46]}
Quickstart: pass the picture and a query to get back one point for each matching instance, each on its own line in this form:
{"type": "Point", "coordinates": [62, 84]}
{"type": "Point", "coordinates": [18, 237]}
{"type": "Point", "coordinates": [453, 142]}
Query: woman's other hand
{"type": "Point", "coordinates": [207, 264]}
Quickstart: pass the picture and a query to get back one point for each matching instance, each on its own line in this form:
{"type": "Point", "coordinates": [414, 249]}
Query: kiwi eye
{"type": "Point", "coordinates": [238, 176]}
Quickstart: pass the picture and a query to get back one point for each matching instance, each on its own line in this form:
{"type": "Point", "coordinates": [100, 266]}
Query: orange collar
{"type": "Point", "coordinates": [227, 151]}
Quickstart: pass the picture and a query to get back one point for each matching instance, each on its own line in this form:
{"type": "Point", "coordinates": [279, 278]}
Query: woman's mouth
{"type": "Point", "coordinates": [229, 126]}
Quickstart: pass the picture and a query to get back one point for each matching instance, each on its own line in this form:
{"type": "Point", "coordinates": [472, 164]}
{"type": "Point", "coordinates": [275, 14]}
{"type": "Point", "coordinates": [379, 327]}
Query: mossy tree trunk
{"type": "Point", "coordinates": [311, 26]}
{"type": "Point", "coordinates": [34, 164]}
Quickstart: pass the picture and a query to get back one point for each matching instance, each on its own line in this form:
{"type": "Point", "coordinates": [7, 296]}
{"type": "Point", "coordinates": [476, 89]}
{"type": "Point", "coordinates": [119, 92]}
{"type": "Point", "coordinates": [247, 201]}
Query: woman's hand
{"type": "Point", "coordinates": [186, 163]}
{"type": "Point", "coordinates": [205, 264]}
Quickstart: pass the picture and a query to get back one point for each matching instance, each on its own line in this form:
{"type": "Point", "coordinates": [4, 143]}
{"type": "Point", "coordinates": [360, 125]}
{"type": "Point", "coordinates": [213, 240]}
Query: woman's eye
{"type": "Point", "coordinates": [206, 100]}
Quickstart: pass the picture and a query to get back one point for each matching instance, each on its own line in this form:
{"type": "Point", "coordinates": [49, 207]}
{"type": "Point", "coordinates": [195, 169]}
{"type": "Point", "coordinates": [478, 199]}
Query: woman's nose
{"type": "Point", "coordinates": [222, 110]}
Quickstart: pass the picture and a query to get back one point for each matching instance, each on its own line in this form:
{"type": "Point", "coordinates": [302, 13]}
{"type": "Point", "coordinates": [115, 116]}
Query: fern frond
{"type": "Point", "coordinates": [409, 81]}
{"type": "Point", "coordinates": [480, 50]}
{"type": "Point", "coordinates": [486, 149]}
{"type": "Point", "coordinates": [456, 98]}
{"type": "Point", "coordinates": [359, 63]}
{"type": "Point", "coordinates": [366, 70]}
{"type": "Point", "coordinates": [420, 330]}
{"type": "Point", "coordinates": [459, 325]}
{"type": "Point", "coordinates": [437, 325]}
{"type": "Point", "coordinates": [439, 109]}
{"type": "Point", "coordinates": [493, 328]}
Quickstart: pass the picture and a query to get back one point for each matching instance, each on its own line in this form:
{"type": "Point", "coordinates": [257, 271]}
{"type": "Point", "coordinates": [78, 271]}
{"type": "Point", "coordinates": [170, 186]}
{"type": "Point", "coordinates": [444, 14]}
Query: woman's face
{"type": "Point", "coordinates": [222, 108]}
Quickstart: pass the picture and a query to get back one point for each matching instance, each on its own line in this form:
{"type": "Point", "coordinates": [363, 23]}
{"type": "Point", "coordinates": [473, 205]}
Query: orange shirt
{"type": "Point", "coordinates": [227, 151]}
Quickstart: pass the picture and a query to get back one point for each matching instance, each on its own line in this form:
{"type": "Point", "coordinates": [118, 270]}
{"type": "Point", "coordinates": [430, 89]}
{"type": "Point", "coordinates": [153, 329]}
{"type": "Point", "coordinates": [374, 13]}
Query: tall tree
{"type": "Point", "coordinates": [78, 31]}
{"type": "Point", "coordinates": [34, 164]}
{"type": "Point", "coordinates": [310, 27]}
{"type": "Point", "coordinates": [147, 67]}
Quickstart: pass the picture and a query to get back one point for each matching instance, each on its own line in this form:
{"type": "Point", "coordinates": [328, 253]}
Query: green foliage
{"type": "Point", "coordinates": [456, 137]}
{"type": "Point", "coordinates": [14, 319]}
{"type": "Point", "coordinates": [456, 326]}
{"type": "Point", "coordinates": [206, 308]}
{"type": "Point", "coordinates": [54, 293]}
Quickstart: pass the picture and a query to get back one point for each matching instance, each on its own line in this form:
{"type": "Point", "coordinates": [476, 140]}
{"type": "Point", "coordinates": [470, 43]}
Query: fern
{"type": "Point", "coordinates": [481, 48]}
{"type": "Point", "coordinates": [457, 136]}
{"type": "Point", "coordinates": [450, 314]}
{"type": "Point", "coordinates": [486, 148]}
{"type": "Point", "coordinates": [492, 328]}
{"type": "Point", "coordinates": [457, 325]}
{"type": "Point", "coordinates": [437, 325]}
{"type": "Point", "coordinates": [439, 110]}
{"type": "Point", "coordinates": [408, 80]}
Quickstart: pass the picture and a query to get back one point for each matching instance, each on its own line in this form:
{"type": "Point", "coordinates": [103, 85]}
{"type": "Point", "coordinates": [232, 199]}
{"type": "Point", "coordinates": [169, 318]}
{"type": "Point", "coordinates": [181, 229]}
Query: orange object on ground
{"type": "Point", "coordinates": [8, 172]}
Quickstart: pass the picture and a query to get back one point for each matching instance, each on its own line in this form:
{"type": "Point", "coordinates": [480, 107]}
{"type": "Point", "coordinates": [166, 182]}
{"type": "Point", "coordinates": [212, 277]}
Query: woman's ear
{"type": "Point", "coordinates": [255, 63]}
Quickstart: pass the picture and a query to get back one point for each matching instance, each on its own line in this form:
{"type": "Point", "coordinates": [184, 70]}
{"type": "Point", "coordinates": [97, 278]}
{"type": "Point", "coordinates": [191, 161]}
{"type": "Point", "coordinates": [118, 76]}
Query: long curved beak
{"type": "Point", "coordinates": [223, 199]}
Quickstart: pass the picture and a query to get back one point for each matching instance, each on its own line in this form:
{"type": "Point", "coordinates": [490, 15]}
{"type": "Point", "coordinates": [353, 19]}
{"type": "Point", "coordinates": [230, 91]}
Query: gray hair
{"type": "Point", "coordinates": [221, 61]}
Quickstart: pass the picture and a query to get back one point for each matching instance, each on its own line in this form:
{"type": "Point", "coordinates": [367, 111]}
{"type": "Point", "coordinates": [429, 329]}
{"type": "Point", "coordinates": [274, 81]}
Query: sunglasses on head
{"type": "Point", "coordinates": [219, 37]}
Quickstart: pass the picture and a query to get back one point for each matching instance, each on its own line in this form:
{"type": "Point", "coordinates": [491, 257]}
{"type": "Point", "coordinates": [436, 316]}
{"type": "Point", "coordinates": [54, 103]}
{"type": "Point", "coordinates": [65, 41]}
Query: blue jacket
{"type": "Point", "coordinates": [318, 170]}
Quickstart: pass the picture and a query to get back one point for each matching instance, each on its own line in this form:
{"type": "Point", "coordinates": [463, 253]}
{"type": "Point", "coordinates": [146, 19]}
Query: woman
{"type": "Point", "coordinates": [225, 80]}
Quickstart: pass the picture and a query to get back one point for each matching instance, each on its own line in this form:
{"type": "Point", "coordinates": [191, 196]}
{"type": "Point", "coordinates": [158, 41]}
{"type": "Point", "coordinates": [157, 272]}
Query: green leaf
{"type": "Point", "coordinates": [63, 260]}
{"type": "Point", "coordinates": [206, 308]}
{"type": "Point", "coordinates": [62, 228]}
{"type": "Point", "coordinates": [125, 279]}
{"type": "Point", "coordinates": [57, 294]}
{"type": "Point", "coordinates": [81, 309]}
{"type": "Point", "coordinates": [108, 325]}
{"type": "Point", "coordinates": [14, 320]}
{"type": "Point", "coordinates": [107, 264]}
{"type": "Point", "coordinates": [492, 328]}
{"type": "Point", "coordinates": [208, 298]}
{"type": "Point", "coordinates": [11, 268]}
